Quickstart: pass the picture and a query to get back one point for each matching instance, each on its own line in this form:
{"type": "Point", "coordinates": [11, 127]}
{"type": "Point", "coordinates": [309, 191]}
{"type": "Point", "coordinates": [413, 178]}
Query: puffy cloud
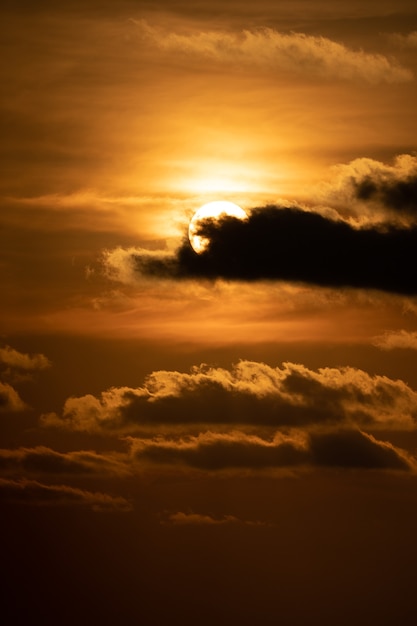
{"type": "Point", "coordinates": [251, 394]}
{"type": "Point", "coordinates": [10, 400]}
{"type": "Point", "coordinates": [219, 451]}
{"type": "Point", "coordinates": [19, 360]}
{"type": "Point", "coordinates": [372, 191]}
{"type": "Point", "coordinates": [36, 493]}
{"type": "Point", "coordinates": [43, 460]}
{"type": "Point", "coordinates": [397, 339]}
{"type": "Point", "coordinates": [276, 51]}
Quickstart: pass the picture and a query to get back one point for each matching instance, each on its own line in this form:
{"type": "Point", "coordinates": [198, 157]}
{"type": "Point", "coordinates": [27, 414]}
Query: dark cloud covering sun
{"type": "Point", "coordinates": [208, 332]}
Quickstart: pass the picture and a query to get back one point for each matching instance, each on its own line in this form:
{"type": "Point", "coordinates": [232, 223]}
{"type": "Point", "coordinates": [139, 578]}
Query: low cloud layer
{"type": "Point", "coordinates": [272, 50]}
{"type": "Point", "coordinates": [251, 394]}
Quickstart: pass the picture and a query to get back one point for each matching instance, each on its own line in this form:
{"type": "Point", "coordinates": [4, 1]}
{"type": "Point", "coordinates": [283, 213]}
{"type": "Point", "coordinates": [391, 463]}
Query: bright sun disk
{"type": "Point", "coordinates": [212, 210]}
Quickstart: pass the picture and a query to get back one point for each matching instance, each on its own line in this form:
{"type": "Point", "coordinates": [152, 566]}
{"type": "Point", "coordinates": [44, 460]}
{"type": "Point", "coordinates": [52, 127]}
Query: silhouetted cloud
{"type": "Point", "coordinates": [43, 460]}
{"type": "Point", "coordinates": [297, 53]}
{"type": "Point", "coordinates": [252, 394]}
{"type": "Point", "coordinates": [236, 450]}
{"type": "Point", "coordinates": [39, 494]}
{"type": "Point", "coordinates": [290, 244]}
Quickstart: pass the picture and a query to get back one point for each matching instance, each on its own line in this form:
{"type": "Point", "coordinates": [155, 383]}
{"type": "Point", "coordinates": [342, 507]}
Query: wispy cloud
{"type": "Point", "coordinates": [397, 339]}
{"type": "Point", "coordinates": [39, 494]}
{"type": "Point", "coordinates": [15, 359]}
{"type": "Point", "coordinates": [297, 53]}
{"type": "Point", "coordinates": [10, 400]}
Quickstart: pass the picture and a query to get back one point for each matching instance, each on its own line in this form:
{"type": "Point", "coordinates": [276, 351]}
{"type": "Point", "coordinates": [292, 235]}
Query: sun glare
{"type": "Point", "coordinates": [212, 210]}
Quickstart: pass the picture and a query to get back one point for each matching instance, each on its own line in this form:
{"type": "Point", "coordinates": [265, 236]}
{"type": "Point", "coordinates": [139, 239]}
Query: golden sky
{"type": "Point", "coordinates": [230, 431]}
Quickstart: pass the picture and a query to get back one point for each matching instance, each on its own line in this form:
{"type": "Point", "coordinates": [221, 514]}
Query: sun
{"type": "Point", "coordinates": [211, 210]}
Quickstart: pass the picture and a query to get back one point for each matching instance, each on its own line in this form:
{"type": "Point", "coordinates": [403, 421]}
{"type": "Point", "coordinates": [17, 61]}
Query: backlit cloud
{"type": "Point", "coordinates": [15, 359]}
{"type": "Point", "coordinates": [43, 460]}
{"type": "Point", "coordinates": [39, 494]}
{"type": "Point", "coordinates": [286, 244]}
{"type": "Point", "coordinates": [252, 394]}
{"type": "Point", "coordinates": [10, 400]}
{"type": "Point", "coordinates": [236, 450]}
{"type": "Point", "coordinates": [372, 191]}
{"type": "Point", "coordinates": [297, 53]}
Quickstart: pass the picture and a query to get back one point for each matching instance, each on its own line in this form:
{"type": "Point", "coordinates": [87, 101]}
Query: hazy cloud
{"type": "Point", "coordinates": [404, 41]}
{"type": "Point", "coordinates": [397, 339]}
{"type": "Point", "coordinates": [273, 50]}
{"type": "Point", "coordinates": [36, 493]}
{"type": "Point", "coordinates": [218, 451]}
{"type": "Point", "coordinates": [250, 393]}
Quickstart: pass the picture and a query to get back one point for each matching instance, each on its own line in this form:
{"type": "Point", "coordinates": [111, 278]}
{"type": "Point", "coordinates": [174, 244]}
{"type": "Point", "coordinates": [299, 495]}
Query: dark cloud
{"type": "Point", "coordinates": [400, 195]}
{"type": "Point", "coordinates": [35, 493]}
{"type": "Point", "coordinates": [43, 460]}
{"type": "Point", "coordinates": [289, 244]}
{"type": "Point", "coordinates": [217, 451]}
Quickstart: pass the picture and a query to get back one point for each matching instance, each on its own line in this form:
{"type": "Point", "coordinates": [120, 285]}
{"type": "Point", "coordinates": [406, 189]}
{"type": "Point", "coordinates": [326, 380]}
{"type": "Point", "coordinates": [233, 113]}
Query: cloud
{"type": "Point", "coordinates": [197, 519]}
{"type": "Point", "coordinates": [398, 339]}
{"type": "Point", "coordinates": [10, 400]}
{"type": "Point", "coordinates": [43, 460]}
{"type": "Point", "coordinates": [372, 191]}
{"type": "Point", "coordinates": [21, 361]}
{"type": "Point", "coordinates": [293, 245]}
{"type": "Point", "coordinates": [252, 394]}
{"type": "Point", "coordinates": [35, 493]}
{"type": "Point", "coordinates": [219, 451]}
{"type": "Point", "coordinates": [276, 51]}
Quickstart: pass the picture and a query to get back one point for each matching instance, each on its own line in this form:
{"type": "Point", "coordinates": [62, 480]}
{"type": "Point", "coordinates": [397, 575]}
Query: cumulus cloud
{"type": "Point", "coordinates": [373, 191]}
{"type": "Point", "coordinates": [219, 451]}
{"type": "Point", "coordinates": [397, 339]}
{"type": "Point", "coordinates": [10, 400]}
{"type": "Point", "coordinates": [43, 460]}
{"type": "Point", "coordinates": [253, 394]}
{"type": "Point", "coordinates": [19, 360]}
{"type": "Point", "coordinates": [35, 493]}
{"type": "Point", "coordinates": [276, 51]}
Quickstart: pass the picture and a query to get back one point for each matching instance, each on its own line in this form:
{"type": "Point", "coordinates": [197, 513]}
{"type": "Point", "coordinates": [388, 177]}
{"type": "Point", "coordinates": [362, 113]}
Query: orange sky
{"type": "Point", "coordinates": [171, 433]}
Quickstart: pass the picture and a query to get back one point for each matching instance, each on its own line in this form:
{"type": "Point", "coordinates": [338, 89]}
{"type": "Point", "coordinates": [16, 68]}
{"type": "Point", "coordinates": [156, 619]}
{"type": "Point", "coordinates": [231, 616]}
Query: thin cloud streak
{"type": "Point", "coordinates": [297, 53]}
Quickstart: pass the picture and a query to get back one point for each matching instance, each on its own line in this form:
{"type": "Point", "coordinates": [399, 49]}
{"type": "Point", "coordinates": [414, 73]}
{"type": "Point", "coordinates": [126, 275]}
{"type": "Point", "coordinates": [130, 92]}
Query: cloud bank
{"type": "Point", "coordinates": [252, 394]}
{"type": "Point", "coordinates": [276, 51]}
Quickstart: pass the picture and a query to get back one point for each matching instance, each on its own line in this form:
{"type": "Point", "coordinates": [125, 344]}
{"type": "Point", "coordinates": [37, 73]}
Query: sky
{"type": "Point", "coordinates": [229, 436]}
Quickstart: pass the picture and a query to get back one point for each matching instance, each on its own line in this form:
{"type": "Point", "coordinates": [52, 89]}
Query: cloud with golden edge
{"type": "Point", "coordinates": [252, 394]}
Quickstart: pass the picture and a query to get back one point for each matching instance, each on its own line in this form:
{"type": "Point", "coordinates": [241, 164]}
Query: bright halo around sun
{"type": "Point", "coordinates": [211, 210]}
